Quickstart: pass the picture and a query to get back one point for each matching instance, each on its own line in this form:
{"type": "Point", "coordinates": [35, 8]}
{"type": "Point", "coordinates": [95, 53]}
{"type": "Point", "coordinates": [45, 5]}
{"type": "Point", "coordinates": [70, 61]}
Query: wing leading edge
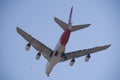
{"type": "Point", "coordinates": [79, 53]}
{"type": "Point", "coordinates": [46, 52]}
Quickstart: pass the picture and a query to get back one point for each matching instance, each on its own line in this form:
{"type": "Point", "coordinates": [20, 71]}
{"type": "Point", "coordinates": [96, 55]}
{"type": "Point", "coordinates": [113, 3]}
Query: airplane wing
{"type": "Point", "coordinates": [46, 52]}
{"type": "Point", "coordinates": [79, 53]}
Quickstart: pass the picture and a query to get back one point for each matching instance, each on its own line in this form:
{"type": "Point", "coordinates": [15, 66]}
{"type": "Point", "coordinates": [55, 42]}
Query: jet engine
{"type": "Point", "coordinates": [87, 58]}
{"type": "Point", "coordinates": [72, 62]}
{"type": "Point", "coordinates": [38, 56]}
{"type": "Point", "coordinates": [27, 46]}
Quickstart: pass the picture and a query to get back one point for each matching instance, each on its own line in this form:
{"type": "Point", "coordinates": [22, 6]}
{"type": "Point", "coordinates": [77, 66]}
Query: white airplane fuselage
{"type": "Point", "coordinates": [58, 52]}
{"type": "Point", "coordinates": [60, 47]}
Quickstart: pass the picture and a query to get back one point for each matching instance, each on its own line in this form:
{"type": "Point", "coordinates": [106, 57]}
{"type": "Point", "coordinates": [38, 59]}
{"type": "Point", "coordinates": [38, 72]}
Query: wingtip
{"type": "Point", "coordinates": [55, 18]}
{"type": "Point", "coordinates": [107, 46]}
{"type": "Point", "coordinates": [17, 28]}
{"type": "Point", "coordinates": [88, 25]}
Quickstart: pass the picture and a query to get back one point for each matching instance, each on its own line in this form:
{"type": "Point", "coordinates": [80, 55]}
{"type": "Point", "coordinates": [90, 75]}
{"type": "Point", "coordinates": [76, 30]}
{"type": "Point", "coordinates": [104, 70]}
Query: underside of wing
{"type": "Point", "coordinates": [46, 52]}
{"type": "Point", "coordinates": [79, 53]}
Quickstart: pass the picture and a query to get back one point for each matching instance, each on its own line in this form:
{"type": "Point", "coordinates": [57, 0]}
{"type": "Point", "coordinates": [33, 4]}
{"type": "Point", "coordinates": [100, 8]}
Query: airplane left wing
{"type": "Point", "coordinates": [79, 53]}
{"type": "Point", "coordinates": [46, 52]}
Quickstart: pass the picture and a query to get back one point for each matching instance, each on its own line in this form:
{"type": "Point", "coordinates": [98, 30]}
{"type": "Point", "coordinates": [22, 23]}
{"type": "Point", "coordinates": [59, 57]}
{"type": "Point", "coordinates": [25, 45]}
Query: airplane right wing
{"type": "Point", "coordinates": [46, 52]}
{"type": "Point", "coordinates": [79, 53]}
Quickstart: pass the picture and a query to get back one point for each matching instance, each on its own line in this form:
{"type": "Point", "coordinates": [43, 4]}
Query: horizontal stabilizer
{"type": "Point", "coordinates": [77, 27]}
{"type": "Point", "coordinates": [62, 24]}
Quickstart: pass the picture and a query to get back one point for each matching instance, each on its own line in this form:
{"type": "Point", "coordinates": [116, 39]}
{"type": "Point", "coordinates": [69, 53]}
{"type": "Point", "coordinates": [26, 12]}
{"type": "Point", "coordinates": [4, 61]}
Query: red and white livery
{"type": "Point", "coordinates": [59, 55]}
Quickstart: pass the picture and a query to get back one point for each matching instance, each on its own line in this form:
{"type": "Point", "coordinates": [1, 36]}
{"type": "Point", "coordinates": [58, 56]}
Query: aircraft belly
{"type": "Point", "coordinates": [55, 59]}
{"type": "Point", "coordinates": [49, 67]}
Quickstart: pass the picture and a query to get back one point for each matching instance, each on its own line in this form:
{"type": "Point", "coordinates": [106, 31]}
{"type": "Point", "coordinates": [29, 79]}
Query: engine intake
{"type": "Point", "coordinates": [38, 56]}
{"type": "Point", "coordinates": [28, 46]}
{"type": "Point", "coordinates": [87, 58]}
{"type": "Point", "coordinates": [72, 62]}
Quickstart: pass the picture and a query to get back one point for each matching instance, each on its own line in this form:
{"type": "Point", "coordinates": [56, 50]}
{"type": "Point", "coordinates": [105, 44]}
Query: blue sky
{"type": "Point", "coordinates": [36, 18]}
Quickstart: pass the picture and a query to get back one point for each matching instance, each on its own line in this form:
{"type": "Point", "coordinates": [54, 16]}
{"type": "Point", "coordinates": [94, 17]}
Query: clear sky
{"type": "Point", "coordinates": [36, 18]}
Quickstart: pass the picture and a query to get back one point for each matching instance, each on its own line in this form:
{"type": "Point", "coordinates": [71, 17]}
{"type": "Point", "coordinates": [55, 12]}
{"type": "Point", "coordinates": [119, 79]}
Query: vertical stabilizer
{"type": "Point", "coordinates": [70, 16]}
{"type": "Point", "coordinates": [69, 25]}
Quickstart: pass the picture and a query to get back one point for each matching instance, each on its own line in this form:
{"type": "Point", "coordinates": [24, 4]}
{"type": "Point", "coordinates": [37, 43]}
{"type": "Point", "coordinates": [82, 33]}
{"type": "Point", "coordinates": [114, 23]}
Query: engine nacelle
{"type": "Point", "coordinates": [38, 56]}
{"type": "Point", "coordinates": [87, 58]}
{"type": "Point", "coordinates": [72, 62]}
{"type": "Point", "coordinates": [27, 46]}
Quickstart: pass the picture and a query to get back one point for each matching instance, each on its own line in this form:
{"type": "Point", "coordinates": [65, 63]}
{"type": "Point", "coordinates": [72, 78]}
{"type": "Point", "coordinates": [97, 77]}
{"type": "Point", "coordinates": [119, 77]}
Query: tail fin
{"type": "Point", "coordinates": [62, 24]}
{"type": "Point", "coordinates": [65, 26]}
{"type": "Point", "coordinates": [70, 16]}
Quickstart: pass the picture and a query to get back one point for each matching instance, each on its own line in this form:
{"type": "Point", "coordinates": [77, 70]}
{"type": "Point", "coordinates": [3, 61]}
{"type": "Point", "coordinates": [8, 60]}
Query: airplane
{"type": "Point", "coordinates": [58, 54]}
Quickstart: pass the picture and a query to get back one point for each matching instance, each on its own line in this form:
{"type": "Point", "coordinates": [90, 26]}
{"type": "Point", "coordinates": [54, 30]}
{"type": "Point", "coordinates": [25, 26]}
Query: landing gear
{"type": "Point", "coordinates": [64, 56]}
{"type": "Point", "coordinates": [48, 75]}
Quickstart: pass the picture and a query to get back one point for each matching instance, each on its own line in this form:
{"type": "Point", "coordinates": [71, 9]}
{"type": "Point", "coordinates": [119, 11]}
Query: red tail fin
{"type": "Point", "coordinates": [70, 16]}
